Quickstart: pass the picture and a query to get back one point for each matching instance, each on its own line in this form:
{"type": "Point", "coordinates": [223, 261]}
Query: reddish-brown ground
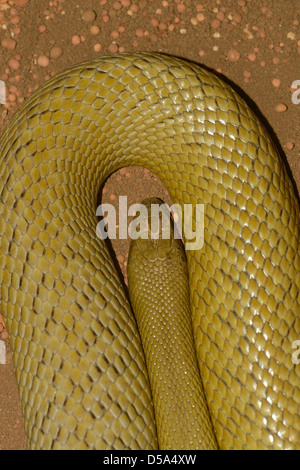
{"type": "Point", "coordinates": [254, 43]}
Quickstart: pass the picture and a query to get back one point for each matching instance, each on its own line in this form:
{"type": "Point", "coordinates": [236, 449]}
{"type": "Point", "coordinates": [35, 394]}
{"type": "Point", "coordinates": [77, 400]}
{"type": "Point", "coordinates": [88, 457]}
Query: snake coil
{"type": "Point", "coordinates": [78, 358]}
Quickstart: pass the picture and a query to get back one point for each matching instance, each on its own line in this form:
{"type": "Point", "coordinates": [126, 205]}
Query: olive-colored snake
{"type": "Point", "coordinates": [79, 362]}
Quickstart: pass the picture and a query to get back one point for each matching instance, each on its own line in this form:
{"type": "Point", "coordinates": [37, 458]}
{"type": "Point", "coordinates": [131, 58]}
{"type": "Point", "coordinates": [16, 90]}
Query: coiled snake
{"type": "Point", "coordinates": [79, 362]}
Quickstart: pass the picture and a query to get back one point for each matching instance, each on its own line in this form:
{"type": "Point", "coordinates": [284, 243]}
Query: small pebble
{"type": "Point", "coordinates": [55, 52]}
{"type": "Point", "coordinates": [9, 43]}
{"type": "Point", "coordinates": [290, 145]}
{"type": "Point", "coordinates": [139, 33]}
{"type": "Point", "coordinates": [14, 64]}
{"type": "Point", "coordinates": [113, 48]}
{"type": "Point", "coordinates": [76, 40]}
{"type": "Point", "coordinates": [281, 108]}
{"type": "Point", "coordinates": [291, 35]}
{"type": "Point", "coordinates": [252, 57]}
{"type": "Point", "coordinates": [94, 30]}
{"type": "Point", "coordinates": [237, 17]}
{"type": "Point", "coordinates": [162, 26]}
{"type": "Point", "coordinates": [215, 24]}
{"type": "Point", "coordinates": [233, 55]}
{"type": "Point", "coordinates": [43, 61]}
{"type": "Point", "coordinates": [181, 7]}
{"type": "Point", "coordinates": [262, 33]}
{"type": "Point", "coordinates": [276, 82]}
{"type": "Point", "coordinates": [117, 6]}
{"type": "Point", "coordinates": [21, 3]}
{"type": "Point", "coordinates": [89, 16]}
{"type": "Point", "coordinates": [15, 20]}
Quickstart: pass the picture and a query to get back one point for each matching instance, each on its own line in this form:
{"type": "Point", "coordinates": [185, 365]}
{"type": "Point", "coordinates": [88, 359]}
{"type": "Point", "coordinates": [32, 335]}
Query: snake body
{"type": "Point", "coordinates": [80, 366]}
{"type": "Point", "coordinates": [159, 293]}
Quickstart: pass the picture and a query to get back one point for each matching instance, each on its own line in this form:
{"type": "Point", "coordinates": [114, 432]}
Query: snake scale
{"type": "Point", "coordinates": [80, 366]}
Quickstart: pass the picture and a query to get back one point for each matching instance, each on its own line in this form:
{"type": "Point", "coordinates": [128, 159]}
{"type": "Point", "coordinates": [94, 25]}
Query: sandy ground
{"type": "Point", "coordinates": [254, 43]}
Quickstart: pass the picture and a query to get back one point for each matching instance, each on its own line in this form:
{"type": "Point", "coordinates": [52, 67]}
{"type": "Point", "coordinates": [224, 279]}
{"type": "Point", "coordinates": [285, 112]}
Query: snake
{"type": "Point", "coordinates": [83, 379]}
{"type": "Point", "coordinates": [158, 287]}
